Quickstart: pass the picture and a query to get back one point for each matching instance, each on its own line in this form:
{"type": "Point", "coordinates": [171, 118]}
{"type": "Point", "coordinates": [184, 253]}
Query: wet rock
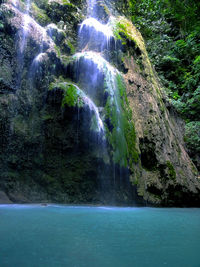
{"type": "Point", "coordinates": [4, 198]}
{"type": "Point", "coordinates": [168, 176]}
{"type": "Point", "coordinates": [48, 151]}
{"type": "Point", "coordinates": [96, 36]}
{"type": "Point", "coordinates": [55, 33]}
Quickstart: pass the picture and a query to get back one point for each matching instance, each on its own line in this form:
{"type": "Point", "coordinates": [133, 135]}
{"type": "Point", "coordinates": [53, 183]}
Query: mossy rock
{"type": "Point", "coordinates": [72, 96]}
{"type": "Point", "coordinates": [40, 15]}
{"type": "Point", "coordinates": [171, 170]}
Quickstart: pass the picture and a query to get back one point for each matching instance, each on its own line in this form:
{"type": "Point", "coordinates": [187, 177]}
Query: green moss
{"type": "Point", "coordinates": [71, 46]}
{"type": "Point", "coordinates": [162, 108]}
{"type": "Point", "coordinates": [121, 131]}
{"type": "Point", "coordinates": [66, 60]}
{"type": "Point", "coordinates": [129, 128]}
{"type": "Point", "coordinates": [47, 117]}
{"type": "Point", "coordinates": [1, 26]}
{"type": "Point", "coordinates": [115, 133]}
{"type": "Point", "coordinates": [72, 95]}
{"type": "Point", "coordinates": [67, 3]}
{"type": "Point", "coordinates": [40, 15]}
{"type": "Point", "coordinates": [136, 180]}
{"type": "Point", "coordinates": [121, 30]}
{"type": "Point", "coordinates": [194, 170]}
{"type": "Point", "coordinates": [57, 50]}
{"type": "Point", "coordinates": [172, 172]}
{"type": "Point", "coordinates": [42, 3]}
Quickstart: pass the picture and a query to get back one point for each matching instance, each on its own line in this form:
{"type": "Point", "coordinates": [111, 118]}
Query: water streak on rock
{"type": "Point", "coordinates": [91, 8]}
{"type": "Point", "coordinates": [39, 57]}
{"type": "Point", "coordinates": [96, 29]}
{"type": "Point", "coordinates": [93, 108]}
{"type": "Point", "coordinates": [25, 26]}
{"type": "Point", "coordinates": [87, 60]}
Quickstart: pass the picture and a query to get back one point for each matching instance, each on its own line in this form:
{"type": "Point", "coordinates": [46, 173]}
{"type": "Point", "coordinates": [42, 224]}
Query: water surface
{"type": "Point", "coordinates": [76, 236]}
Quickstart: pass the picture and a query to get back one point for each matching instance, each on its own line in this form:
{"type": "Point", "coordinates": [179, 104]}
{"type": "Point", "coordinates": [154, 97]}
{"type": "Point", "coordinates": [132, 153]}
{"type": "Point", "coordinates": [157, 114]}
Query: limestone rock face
{"type": "Point", "coordinates": [168, 176]}
{"type": "Point", "coordinates": [4, 198]}
{"type": "Point", "coordinates": [49, 152]}
{"type": "Point", "coordinates": [35, 133]}
{"type": "Point", "coordinates": [56, 34]}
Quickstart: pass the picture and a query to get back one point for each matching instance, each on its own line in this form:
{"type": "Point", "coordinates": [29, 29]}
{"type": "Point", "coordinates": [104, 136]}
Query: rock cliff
{"type": "Point", "coordinates": [59, 145]}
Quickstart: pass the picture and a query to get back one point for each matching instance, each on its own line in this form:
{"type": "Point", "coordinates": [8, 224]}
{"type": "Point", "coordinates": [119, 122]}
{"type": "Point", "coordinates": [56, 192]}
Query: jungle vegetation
{"type": "Point", "coordinates": [171, 29]}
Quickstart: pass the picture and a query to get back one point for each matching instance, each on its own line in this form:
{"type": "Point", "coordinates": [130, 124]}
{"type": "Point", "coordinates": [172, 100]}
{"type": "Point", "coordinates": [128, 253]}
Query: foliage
{"type": "Point", "coordinates": [172, 32]}
{"type": "Point", "coordinates": [40, 15]}
{"type": "Point", "coordinates": [192, 139]}
{"type": "Point", "coordinates": [192, 136]}
{"type": "Point", "coordinates": [190, 108]}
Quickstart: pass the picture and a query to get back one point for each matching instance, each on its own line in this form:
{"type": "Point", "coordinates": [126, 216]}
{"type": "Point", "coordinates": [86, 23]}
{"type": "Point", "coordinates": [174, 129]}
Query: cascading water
{"type": "Point", "coordinates": [90, 59]}
{"type": "Point", "coordinates": [22, 38]}
{"type": "Point", "coordinates": [100, 122]}
{"type": "Point", "coordinates": [91, 8]}
{"type": "Point", "coordinates": [25, 27]}
{"type": "Point", "coordinates": [39, 58]}
{"type": "Point", "coordinates": [98, 27]}
{"type": "Point", "coordinates": [26, 72]}
{"type": "Point", "coordinates": [30, 26]}
{"type": "Point", "coordinates": [99, 80]}
{"type": "Point", "coordinates": [94, 35]}
{"type": "Point", "coordinates": [44, 148]}
{"type": "Point", "coordinates": [46, 42]}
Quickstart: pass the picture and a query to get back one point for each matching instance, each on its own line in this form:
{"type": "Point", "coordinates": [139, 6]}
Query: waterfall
{"type": "Point", "coordinates": [39, 58]}
{"type": "Point", "coordinates": [95, 35]}
{"type": "Point", "coordinates": [100, 82]}
{"type": "Point", "coordinates": [25, 27]}
{"type": "Point", "coordinates": [99, 127]}
{"type": "Point", "coordinates": [91, 8]}
{"type": "Point", "coordinates": [22, 38]}
{"type": "Point", "coordinates": [90, 89]}
{"type": "Point", "coordinates": [35, 69]}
